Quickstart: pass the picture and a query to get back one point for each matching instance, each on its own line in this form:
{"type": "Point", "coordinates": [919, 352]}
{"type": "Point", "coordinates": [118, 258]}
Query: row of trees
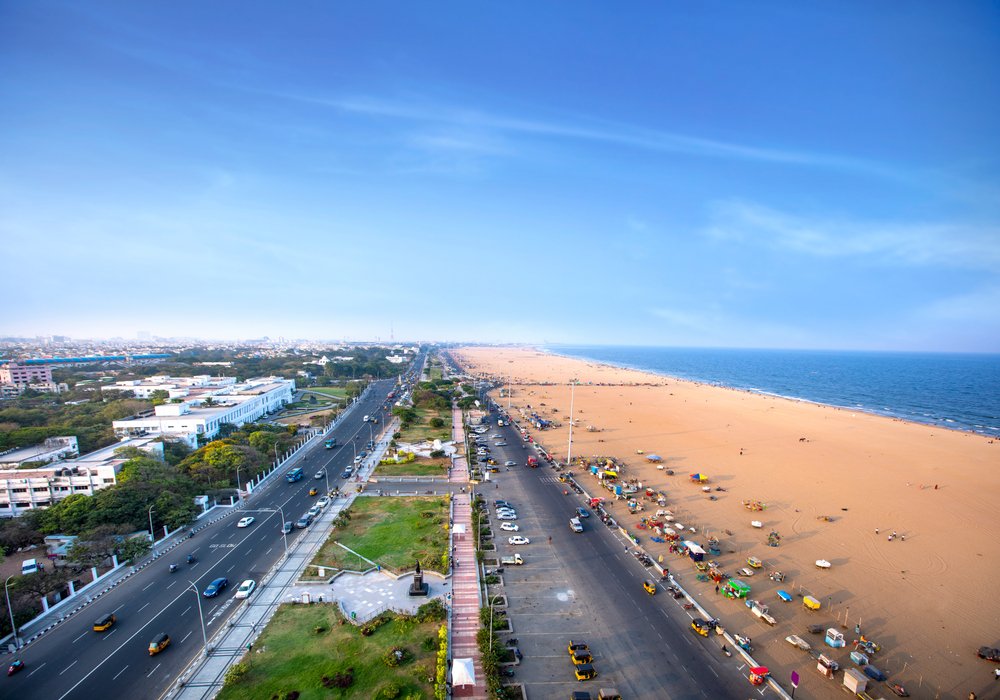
{"type": "Point", "coordinates": [29, 421]}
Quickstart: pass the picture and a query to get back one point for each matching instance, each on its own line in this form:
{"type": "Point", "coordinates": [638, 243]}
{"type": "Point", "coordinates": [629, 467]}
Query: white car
{"type": "Point", "coordinates": [507, 516]}
{"type": "Point", "coordinates": [495, 436]}
{"type": "Point", "coordinates": [245, 522]}
{"type": "Point", "coordinates": [500, 443]}
{"type": "Point", "coordinates": [517, 539]}
{"type": "Point", "coordinates": [506, 511]}
{"type": "Point", "coordinates": [323, 502]}
{"type": "Point", "coordinates": [509, 527]}
{"type": "Point", "coordinates": [245, 589]}
{"type": "Point", "coordinates": [510, 463]}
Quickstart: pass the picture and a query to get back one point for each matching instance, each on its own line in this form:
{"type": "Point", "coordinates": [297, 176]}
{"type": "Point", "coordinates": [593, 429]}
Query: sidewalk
{"type": "Point", "coordinates": [465, 575]}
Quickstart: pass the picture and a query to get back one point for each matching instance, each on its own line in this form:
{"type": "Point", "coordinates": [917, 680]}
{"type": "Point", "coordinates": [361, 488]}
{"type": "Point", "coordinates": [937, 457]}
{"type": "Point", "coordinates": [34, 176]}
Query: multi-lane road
{"type": "Point", "coordinates": [588, 587]}
{"type": "Point", "coordinates": [73, 661]}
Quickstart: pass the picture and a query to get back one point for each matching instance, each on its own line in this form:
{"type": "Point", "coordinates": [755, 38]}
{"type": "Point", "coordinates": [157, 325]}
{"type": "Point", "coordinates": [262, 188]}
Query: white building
{"type": "Point", "coordinates": [176, 387]}
{"type": "Point", "coordinates": [201, 412]}
{"type": "Point", "coordinates": [25, 489]}
{"type": "Point", "coordinates": [52, 449]}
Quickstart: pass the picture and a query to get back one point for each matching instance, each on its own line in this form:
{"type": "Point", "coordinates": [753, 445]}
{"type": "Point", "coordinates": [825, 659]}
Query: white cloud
{"type": "Point", "coordinates": [919, 243]}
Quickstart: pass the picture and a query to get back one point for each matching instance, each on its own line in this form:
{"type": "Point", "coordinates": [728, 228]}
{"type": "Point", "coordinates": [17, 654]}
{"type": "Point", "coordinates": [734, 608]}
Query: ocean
{"type": "Point", "coordinates": [957, 391]}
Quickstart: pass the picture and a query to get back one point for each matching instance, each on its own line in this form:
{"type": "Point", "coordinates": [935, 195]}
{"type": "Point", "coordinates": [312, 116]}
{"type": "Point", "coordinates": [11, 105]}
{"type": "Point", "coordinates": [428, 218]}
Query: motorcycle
{"type": "Point", "coordinates": [18, 665]}
{"type": "Point", "coordinates": [509, 672]}
{"type": "Point", "coordinates": [173, 568]}
{"type": "Point", "coordinates": [725, 650]}
{"type": "Point", "coordinates": [190, 559]}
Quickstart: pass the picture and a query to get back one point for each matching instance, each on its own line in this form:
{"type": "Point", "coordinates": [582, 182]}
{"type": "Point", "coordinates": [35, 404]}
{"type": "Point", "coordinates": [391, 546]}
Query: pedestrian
{"type": "Point", "coordinates": [902, 538]}
{"type": "Point", "coordinates": [876, 531]}
{"type": "Point", "coordinates": [996, 674]}
{"type": "Point", "coordinates": [716, 589]}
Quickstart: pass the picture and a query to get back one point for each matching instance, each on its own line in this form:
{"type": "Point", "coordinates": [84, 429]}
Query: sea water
{"type": "Point", "coordinates": [958, 391]}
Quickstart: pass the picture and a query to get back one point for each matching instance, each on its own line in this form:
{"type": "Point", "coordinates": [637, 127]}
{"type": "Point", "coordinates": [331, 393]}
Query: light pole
{"type": "Point", "coordinates": [152, 535]}
{"type": "Point", "coordinates": [275, 455]}
{"type": "Point", "coordinates": [201, 616]}
{"type": "Point", "coordinates": [13, 627]}
{"type": "Point", "coordinates": [281, 512]}
{"type": "Point", "coordinates": [569, 448]}
{"type": "Point", "coordinates": [239, 487]}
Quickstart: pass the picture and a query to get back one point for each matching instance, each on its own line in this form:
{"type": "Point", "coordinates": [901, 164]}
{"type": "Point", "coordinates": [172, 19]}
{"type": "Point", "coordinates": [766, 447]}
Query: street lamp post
{"type": "Point", "coordinates": [152, 535]}
{"type": "Point", "coordinates": [284, 534]}
{"type": "Point", "coordinates": [201, 616]}
{"type": "Point", "coordinates": [13, 626]}
{"type": "Point", "coordinates": [239, 486]}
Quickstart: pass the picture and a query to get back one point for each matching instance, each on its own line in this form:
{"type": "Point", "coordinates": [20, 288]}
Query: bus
{"type": "Point", "coordinates": [294, 475]}
{"type": "Point", "coordinates": [331, 443]}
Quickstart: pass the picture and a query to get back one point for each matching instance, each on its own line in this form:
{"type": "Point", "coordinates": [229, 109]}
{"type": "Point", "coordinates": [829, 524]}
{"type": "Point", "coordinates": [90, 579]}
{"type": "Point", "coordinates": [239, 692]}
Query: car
{"type": "Point", "coordinates": [988, 653]}
{"type": "Point", "coordinates": [246, 588]}
{"type": "Point", "coordinates": [585, 672]}
{"type": "Point", "coordinates": [506, 516]}
{"type": "Point", "coordinates": [506, 511]}
{"type": "Point", "coordinates": [518, 539]}
{"type": "Point", "coordinates": [323, 502]}
{"type": "Point", "coordinates": [501, 502]}
{"type": "Point", "coordinates": [362, 454]}
{"type": "Point", "coordinates": [304, 522]}
{"type": "Point", "coordinates": [649, 587]}
{"type": "Point", "coordinates": [159, 643]}
{"type": "Point", "coordinates": [103, 623]}
{"type": "Point", "coordinates": [287, 527]}
{"type": "Point", "coordinates": [216, 587]}
{"type": "Point", "coordinates": [346, 474]}
{"type": "Point", "coordinates": [245, 522]}
{"type": "Point", "coordinates": [320, 474]}
{"type": "Point", "coordinates": [509, 527]}
{"type": "Point", "coordinates": [483, 459]}
{"type": "Point", "coordinates": [576, 646]}
{"type": "Point", "coordinates": [501, 443]}
{"type": "Point", "coordinates": [357, 460]}
{"type": "Point", "coordinates": [496, 436]}
{"type": "Point", "coordinates": [581, 657]}
{"type": "Point", "coordinates": [315, 511]}
{"type": "Point", "coordinates": [583, 512]}
{"type": "Point", "coordinates": [510, 463]}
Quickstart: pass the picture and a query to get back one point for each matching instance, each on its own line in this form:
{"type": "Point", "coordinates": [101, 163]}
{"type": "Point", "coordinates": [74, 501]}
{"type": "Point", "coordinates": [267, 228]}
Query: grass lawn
{"type": "Point", "coordinates": [420, 429]}
{"type": "Point", "coordinates": [435, 373]}
{"type": "Point", "coordinates": [295, 657]}
{"type": "Point", "coordinates": [421, 466]}
{"type": "Point", "coordinates": [334, 392]}
{"type": "Point", "coordinates": [395, 532]}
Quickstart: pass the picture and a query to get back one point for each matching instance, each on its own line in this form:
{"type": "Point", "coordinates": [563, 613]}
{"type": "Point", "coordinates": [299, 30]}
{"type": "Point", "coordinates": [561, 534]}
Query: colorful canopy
{"type": "Point", "coordinates": [699, 477]}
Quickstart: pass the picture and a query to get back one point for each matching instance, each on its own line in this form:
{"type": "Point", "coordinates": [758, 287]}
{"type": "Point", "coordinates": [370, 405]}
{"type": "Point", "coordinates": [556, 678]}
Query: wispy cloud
{"type": "Point", "coordinates": [918, 243]}
{"type": "Point", "coordinates": [630, 135]}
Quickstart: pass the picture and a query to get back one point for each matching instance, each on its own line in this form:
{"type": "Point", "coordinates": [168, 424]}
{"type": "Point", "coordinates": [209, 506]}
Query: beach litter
{"type": "Point", "coordinates": [756, 523]}
{"type": "Point", "coordinates": [823, 564]}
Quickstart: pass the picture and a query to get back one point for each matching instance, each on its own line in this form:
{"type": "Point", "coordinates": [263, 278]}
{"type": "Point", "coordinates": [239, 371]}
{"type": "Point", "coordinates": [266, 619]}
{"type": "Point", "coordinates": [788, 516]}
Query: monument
{"type": "Point", "coordinates": [418, 587]}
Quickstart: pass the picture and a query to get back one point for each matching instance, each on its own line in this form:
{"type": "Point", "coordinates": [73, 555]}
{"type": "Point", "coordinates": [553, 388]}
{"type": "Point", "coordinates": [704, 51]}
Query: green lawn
{"type": "Point", "coordinates": [334, 392]}
{"type": "Point", "coordinates": [421, 466]}
{"type": "Point", "coordinates": [394, 532]}
{"type": "Point", "coordinates": [295, 657]}
{"type": "Point", "coordinates": [420, 429]}
{"type": "Point", "coordinates": [435, 373]}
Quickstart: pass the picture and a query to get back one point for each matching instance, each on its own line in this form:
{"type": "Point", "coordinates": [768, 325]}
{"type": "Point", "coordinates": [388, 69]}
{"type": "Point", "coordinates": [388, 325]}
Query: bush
{"type": "Point", "coordinates": [428, 644]}
{"type": "Point", "coordinates": [432, 610]}
{"type": "Point", "coordinates": [388, 691]}
{"type": "Point", "coordinates": [395, 656]}
{"type": "Point", "coordinates": [235, 673]}
{"type": "Point", "coordinates": [436, 422]}
{"type": "Point", "coordinates": [339, 680]}
{"type": "Point", "coordinates": [437, 454]}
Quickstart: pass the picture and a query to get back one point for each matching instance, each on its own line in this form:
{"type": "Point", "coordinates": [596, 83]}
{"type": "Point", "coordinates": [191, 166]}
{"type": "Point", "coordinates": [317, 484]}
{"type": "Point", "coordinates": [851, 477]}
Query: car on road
{"type": "Point", "coordinates": [320, 474]}
{"type": "Point", "coordinates": [245, 522]}
{"type": "Point", "coordinates": [649, 587]}
{"type": "Point", "coordinates": [315, 511]}
{"type": "Point", "coordinates": [496, 436]}
{"type": "Point", "coordinates": [159, 643]}
{"type": "Point", "coordinates": [518, 539]}
{"type": "Point", "coordinates": [313, 491]}
{"type": "Point", "coordinates": [509, 527]}
{"type": "Point", "coordinates": [357, 460]}
{"type": "Point", "coordinates": [501, 502]}
{"type": "Point", "coordinates": [246, 588]}
{"type": "Point", "coordinates": [510, 463]}
{"type": "Point", "coordinates": [507, 516]}
{"type": "Point", "coordinates": [323, 502]}
{"type": "Point", "coordinates": [346, 474]}
{"type": "Point", "coordinates": [287, 527]}
{"type": "Point", "coordinates": [501, 443]}
{"type": "Point", "coordinates": [304, 522]}
{"type": "Point", "coordinates": [216, 587]}
{"type": "Point", "coordinates": [103, 623]}
{"type": "Point", "coordinates": [583, 512]}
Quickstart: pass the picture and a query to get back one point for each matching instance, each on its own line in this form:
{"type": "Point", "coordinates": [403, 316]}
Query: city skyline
{"type": "Point", "coordinates": [819, 177]}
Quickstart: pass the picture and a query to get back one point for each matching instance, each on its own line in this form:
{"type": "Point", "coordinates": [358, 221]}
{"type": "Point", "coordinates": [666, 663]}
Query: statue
{"type": "Point", "coordinates": [418, 587]}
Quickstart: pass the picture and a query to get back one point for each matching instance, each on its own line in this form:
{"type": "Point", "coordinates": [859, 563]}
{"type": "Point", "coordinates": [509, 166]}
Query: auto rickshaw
{"type": "Point", "coordinates": [755, 562]}
{"type": "Point", "coordinates": [313, 491]}
{"type": "Point", "coordinates": [758, 674]}
{"type": "Point", "coordinates": [584, 672]}
{"type": "Point", "coordinates": [581, 657]}
{"type": "Point", "coordinates": [103, 623]}
{"type": "Point", "coordinates": [159, 643]}
{"type": "Point", "coordinates": [702, 627]}
{"type": "Point", "coordinates": [649, 587]}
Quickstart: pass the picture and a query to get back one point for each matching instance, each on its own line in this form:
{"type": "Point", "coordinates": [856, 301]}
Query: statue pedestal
{"type": "Point", "coordinates": [418, 587]}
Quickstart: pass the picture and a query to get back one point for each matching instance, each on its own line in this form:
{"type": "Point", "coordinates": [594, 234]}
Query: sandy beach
{"type": "Point", "coordinates": [837, 483]}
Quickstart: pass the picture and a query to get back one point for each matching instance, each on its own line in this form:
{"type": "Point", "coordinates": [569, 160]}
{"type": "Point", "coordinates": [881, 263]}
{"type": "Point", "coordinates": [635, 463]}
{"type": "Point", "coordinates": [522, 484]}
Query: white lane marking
{"type": "Point", "coordinates": [143, 607]}
{"type": "Point", "coordinates": [118, 608]}
{"type": "Point", "coordinates": [154, 670]}
{"type": "Point", "coordinates": [185, 637]}
{"type": "Point", "coordinates": [37, 669]}
{"type": "Point", "coordinates": [80, 637]}
{"type": "Point", "coordinates": [118, 674]}
{"type": "Point", "coordinates": [68, 667]}
{"type": "Point", "coordinates": [185, 611]}
{"type": "Point", "coordinates": [230, 568]}
{"type": "Point", "coordinates": [149, 585]}
{"type": "Point", "coordinates": [170, 584]}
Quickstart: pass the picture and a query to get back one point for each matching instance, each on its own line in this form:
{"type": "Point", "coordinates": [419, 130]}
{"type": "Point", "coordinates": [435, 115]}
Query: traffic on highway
{"type": "Point", "coordinates": [136, 639]}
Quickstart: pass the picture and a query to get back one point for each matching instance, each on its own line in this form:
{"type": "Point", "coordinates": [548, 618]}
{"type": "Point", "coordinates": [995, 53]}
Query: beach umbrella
{"type": "Point", "coordinates": [699, 477]}
{"type": "Point", "coordinates": [654, 458]}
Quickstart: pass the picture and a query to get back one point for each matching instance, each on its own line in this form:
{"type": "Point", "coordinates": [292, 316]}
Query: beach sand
{"type": "Point", "coordinates": [930, 600]}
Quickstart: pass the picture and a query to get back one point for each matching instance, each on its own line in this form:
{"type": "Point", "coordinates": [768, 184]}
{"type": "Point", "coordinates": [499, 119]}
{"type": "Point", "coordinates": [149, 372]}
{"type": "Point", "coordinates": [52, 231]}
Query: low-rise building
{"type": "Point", "coordinates": [53, 449]}
{"type": "Point", "coordinates": [200, 413]}
{"type": "Point", "coordinates": [14, 373]}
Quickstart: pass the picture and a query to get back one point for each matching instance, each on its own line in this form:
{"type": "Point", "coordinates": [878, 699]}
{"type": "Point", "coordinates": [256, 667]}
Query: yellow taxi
{"type": "Point", "coordinates": [649, 587]}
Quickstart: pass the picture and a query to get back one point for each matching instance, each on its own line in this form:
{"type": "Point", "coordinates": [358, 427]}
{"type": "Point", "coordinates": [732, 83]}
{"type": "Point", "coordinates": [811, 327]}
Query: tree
{"type": "Point", "coordinates": [16, 533]}
{"type": "Point", "coordinates": [96, 546]}
{"type": "Point", "coordinates": [159, 397]}
{"type": "Point", "coordinates": [44, 582]}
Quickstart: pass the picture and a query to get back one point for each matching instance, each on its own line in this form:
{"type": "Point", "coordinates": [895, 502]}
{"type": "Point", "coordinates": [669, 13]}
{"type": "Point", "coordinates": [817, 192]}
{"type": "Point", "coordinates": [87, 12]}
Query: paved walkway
{"type": "Point", "coordinates": [366, 595]}
{"type": "Point", "coordinates": [465, 576]}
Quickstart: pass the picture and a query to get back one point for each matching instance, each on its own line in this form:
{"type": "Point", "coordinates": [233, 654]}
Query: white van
{"type": "Point", "coordinates": [30, 566]}
{"type": "Point", "coordinates": [365, 419]}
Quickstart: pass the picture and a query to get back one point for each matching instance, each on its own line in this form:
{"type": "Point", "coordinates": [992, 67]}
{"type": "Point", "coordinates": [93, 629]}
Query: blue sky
{"type": "Point", "coordinates": [792, 175]}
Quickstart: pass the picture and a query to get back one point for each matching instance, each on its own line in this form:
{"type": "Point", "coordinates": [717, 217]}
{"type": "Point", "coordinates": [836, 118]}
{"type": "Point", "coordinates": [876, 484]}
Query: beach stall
{"type": "Point", "coordinates": [654, 458]}
{"type": "Point", "coordinates": [694, 551]}
{"type": "Point", "coordinates": [810, 603]}
{"type": "Point", "coordinates": [699, 478]}
{"type": "Point", "coordinates": [735, 588]}
{"type": "Point", "coordinates": [834, 638]}
{"type": "Point", "coordinates": [855, 681]}
{"type": "Point", "coordinates": [785, 596]}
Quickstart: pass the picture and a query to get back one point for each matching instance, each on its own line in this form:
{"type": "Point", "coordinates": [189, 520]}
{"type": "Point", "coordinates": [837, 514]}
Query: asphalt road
{"type": "Point", "coordinates": [72, 661]}
{"type": "Point", "coordinates": [587, 587]}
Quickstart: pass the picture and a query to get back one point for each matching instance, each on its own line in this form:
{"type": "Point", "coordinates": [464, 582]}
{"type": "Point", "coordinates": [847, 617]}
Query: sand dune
{"type": "Point", "coordinates": [931, 600]}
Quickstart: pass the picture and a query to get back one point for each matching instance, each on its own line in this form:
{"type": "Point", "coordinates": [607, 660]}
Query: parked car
{"type": "Point", "coordinates": [320, 474]}
{"type": "Point", "coordinates": [286, 527]}
{"type": "Point", "coordinates": [323, 502]}
{"type": "Point", "coordinates": [245, 522]}
{"type": "Point", "coordinates": [509, 527]}
{"type": "Point", "coordinates": [506, 516]}
{"type": "Point", "coordinates": [583, 512]}
{"type": "Point", "coordinates": [304, 522]}
{"type": "Point", "coordinates": [518, 539]}
{"type": "Point", "coordinates": [246, 588]}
